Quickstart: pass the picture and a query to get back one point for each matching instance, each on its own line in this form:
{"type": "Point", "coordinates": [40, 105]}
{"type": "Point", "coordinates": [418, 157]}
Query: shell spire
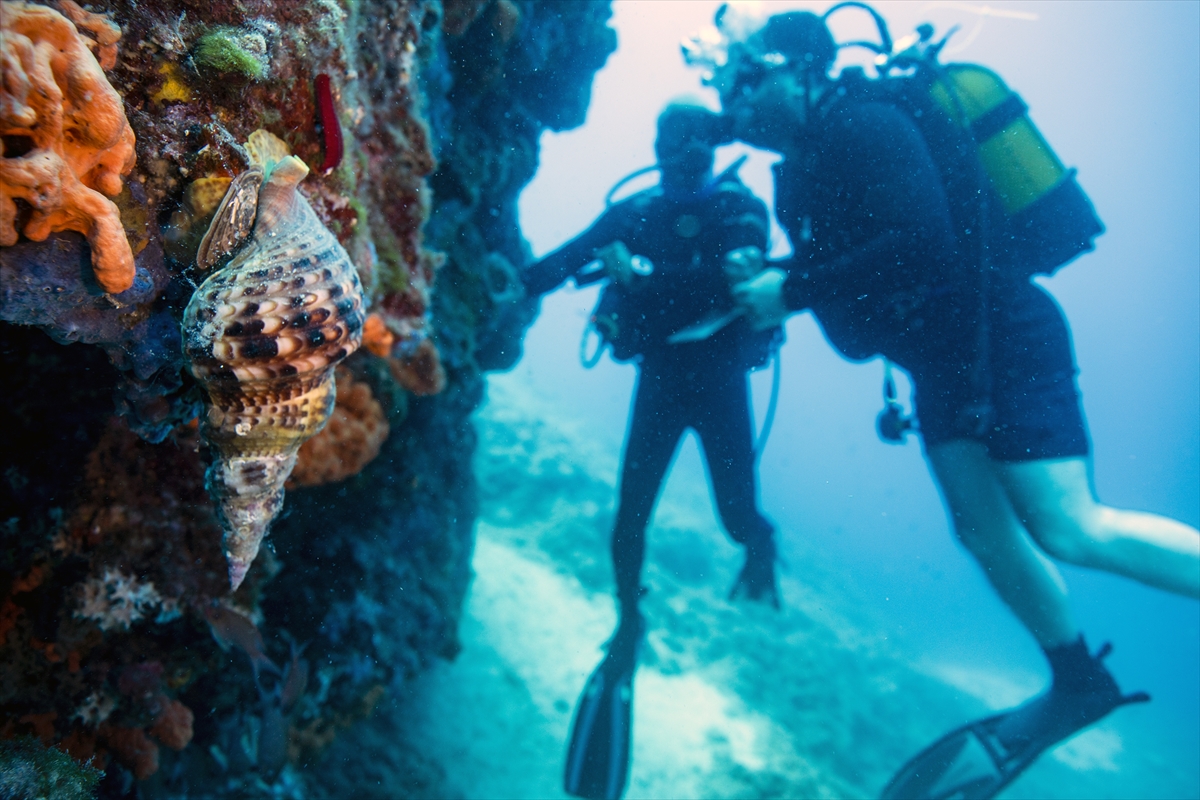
{"type": "Point", "coordinates": [262, 336]}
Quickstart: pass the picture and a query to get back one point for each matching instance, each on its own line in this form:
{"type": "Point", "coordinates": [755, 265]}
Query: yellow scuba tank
{"type": "Point", "coordinates": [1047, 218]}
{"type": "Point", "coordinates": [1019, 162]}
{"type": "Point", "coordinates": [1037, 216]}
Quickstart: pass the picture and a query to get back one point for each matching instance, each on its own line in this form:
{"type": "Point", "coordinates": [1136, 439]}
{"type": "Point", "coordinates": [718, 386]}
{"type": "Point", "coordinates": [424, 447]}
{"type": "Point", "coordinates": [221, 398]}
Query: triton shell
{"type": "Point", "coordinates": [263, 335]}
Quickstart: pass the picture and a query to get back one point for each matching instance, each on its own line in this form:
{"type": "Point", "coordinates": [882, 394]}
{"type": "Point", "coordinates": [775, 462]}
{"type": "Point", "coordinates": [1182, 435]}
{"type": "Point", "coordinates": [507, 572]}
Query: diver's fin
{"type": "Point", "coordinates": [979, 759]}
{"type": "Point", "coordinates": [597, 765]}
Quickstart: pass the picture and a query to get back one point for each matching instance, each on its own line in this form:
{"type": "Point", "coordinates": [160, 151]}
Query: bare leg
{"type": "Point", "coordinates": [1055, 501]}
{"type": "Point", "coordinates": [988, 527]}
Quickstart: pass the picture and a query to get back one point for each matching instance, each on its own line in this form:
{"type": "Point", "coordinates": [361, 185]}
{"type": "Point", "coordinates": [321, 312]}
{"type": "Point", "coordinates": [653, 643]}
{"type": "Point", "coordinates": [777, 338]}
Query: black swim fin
{"type": "Point", "coordinates": [979, 759]}
{"type": "Point", "coordinates": [597, 765]}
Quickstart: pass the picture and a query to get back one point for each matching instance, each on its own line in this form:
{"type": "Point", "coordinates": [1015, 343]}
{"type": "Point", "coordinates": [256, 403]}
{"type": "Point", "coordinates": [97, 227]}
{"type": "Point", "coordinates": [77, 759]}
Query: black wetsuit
{"type": "Point", "coordinates": [698, 385]}
{"type": "Point", "coordinates": [878, 262]}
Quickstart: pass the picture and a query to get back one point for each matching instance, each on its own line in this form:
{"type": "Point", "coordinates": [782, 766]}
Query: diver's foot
{"type": "Point", "coordinates": [623, 646]}
{"type": "Point", "coordinates": [1083, 692]}
{"type": "Point", "coordinates": [756, 582]}
{"type": "Point", "coordinates": [981, 758]}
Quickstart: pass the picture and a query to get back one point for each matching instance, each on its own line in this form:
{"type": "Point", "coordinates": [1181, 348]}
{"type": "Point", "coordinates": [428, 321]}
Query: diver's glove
{"type": "Point", "coordinates": [618, 262]}
{"type": "Point", "coordinates": [762, 297]}
{"type": "Point", "coordinates": [756, 581]}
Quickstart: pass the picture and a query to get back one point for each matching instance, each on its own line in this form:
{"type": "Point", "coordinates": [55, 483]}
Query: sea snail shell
{"type": "Point", "coordinates": [262, 336]}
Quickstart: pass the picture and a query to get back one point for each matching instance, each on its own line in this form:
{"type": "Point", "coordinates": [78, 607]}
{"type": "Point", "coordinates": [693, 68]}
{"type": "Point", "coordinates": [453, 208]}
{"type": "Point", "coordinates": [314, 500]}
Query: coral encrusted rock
{"type": "Point", "coordinates": [120, 640]}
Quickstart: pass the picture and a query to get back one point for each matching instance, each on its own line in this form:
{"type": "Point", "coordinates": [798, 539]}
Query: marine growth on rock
{"type": "Point", "coordinates": [64, 138]}
{"type": "Point", "coordinates": [421, 372]}
{"type": "Point", "coordinates": [262, 336]}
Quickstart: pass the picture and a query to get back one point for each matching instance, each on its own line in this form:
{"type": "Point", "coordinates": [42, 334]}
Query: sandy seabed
{"type": "Point", "coordinates": [730, 700]}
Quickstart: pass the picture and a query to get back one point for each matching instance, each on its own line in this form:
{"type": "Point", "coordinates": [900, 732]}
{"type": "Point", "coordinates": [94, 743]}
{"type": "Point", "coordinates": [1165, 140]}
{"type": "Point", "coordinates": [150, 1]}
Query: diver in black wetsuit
{"type": "Point", "coordinates": [876, 260]}
{"type": "Point", "coordinates": [696, 231]}
{"type": "Point", "coordinates": [685, 227]}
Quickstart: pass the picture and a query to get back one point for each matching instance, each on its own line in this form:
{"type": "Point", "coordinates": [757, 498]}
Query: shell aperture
{"type": "Point", "coordinates": [262, 336]}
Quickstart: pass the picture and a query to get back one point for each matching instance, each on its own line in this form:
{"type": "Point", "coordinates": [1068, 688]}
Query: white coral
{"type": "Point", "coordinates": [95, 709]}
{"type": "Point", "coordinates": [139, 596]}
{"type": "Point", "coordinates": [117, 600]}
{"type": "Point", "coordinates": [95, 602]}
{"type": "Point", "coordinates": [123, 615]}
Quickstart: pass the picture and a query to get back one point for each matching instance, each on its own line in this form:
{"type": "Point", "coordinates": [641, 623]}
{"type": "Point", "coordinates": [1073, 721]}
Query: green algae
{"type": "Point", "coordinates": [232, 51]}
{"type": "Point", "coordinates": [29, 770]}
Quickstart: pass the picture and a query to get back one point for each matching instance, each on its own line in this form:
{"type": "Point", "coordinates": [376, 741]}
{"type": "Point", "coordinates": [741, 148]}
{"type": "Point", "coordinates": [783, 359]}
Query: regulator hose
{"type": "Point", "coordinates": [769, 420]}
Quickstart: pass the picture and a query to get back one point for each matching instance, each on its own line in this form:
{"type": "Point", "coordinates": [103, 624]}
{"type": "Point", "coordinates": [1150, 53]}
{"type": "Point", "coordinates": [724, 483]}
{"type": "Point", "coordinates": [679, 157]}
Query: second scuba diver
{"type": "Point", "coordinates": [879, 261]}
{"type": "Point", "coordinates": [697, 232]}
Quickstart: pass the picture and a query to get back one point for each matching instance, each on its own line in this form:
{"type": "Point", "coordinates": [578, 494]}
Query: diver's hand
{"type": "Point", "coordinates": [618, 262]}
{"type": "Point", "coordinates": [762, 297]}
{"type": "Point", "coordinates": [743, 264]}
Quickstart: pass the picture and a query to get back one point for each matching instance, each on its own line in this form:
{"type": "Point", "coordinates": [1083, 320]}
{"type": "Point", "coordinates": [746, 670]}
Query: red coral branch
{"type": "Point", "coordinates": [328, 120]}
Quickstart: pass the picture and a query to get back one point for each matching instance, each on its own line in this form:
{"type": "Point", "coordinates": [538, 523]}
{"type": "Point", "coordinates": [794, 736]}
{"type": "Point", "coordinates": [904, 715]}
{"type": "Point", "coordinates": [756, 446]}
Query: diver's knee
{"type": "Point", "coordinates": [1069, 539]}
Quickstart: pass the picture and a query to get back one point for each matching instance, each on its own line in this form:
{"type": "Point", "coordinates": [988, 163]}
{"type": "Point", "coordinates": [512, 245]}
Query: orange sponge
{"type": "Point", "coordinates": [66, 141]}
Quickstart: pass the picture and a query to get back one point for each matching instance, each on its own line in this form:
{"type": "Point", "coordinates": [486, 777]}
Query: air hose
{"type": "Point", "coordinates": [772, 404]}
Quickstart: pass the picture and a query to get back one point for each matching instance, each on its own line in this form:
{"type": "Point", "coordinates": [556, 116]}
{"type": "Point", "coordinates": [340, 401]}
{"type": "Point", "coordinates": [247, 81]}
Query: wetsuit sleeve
{"type": "Point", "coordinates": [552, 271]}
{"type": "Point", "coordinates": [900, 202]}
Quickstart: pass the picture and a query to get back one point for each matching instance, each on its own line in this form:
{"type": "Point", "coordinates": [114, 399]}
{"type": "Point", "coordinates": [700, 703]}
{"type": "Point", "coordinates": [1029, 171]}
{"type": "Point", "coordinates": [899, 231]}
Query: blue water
{"type": "Point", "coordinates": [1115, 88]}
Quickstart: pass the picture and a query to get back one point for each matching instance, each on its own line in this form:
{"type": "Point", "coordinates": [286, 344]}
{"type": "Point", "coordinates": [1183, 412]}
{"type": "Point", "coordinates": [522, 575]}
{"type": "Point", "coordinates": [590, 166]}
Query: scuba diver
{"type": "Point", "coordinates": [693, 233]}
{"type": "Point", "coordinates": [895, 258]}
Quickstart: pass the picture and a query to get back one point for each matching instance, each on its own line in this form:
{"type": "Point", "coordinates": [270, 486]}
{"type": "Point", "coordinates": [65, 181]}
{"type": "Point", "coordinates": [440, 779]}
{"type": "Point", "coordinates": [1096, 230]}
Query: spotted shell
{"type": "Point", "coordinates": [262, 335]}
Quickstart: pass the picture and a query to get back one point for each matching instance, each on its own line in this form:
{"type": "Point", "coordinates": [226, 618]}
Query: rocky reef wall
{"type": "Point", "coordinates": [120, 643]}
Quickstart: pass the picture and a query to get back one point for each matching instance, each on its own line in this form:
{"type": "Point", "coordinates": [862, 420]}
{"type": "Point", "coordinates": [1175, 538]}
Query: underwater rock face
{"type": "Point", "coordinates": [48, 284]}
{"type": "Point", "coordinates": [503, 88]}
{"type": "Point", "coordinates": [119, 639]}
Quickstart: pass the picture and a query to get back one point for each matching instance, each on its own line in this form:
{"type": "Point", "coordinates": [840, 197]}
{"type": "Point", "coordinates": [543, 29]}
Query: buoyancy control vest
{"type": "Point", "coordinates": [623, 320]}
{"type": "Point", "coordinates": [1016, 208]}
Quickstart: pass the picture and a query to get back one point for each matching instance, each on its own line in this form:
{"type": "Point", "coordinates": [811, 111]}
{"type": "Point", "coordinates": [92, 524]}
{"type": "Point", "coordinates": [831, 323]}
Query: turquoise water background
{"type": "Point", "coordinates": [1115, 88]}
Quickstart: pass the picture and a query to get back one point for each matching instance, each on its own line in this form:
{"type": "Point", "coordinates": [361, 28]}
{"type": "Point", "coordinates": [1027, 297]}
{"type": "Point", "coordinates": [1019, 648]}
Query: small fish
{"type": "Point", "coordinates": [295, 680]}
{"type": "Point", "coordinates": [276, 702]}
{"type": "Point", "coordinates": [231, 628]}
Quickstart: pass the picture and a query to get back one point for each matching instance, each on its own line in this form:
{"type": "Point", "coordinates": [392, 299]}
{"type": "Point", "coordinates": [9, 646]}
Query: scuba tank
{"type": "Point", "coordinates": [1046, 218]}
{"type": "Point", "coordinates": [1036, 216]}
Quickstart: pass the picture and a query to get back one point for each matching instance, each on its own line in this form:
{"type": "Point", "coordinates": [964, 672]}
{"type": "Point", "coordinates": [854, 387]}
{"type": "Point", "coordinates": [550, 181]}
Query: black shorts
{"type": "Point", "coordinates": [1034, 397]}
